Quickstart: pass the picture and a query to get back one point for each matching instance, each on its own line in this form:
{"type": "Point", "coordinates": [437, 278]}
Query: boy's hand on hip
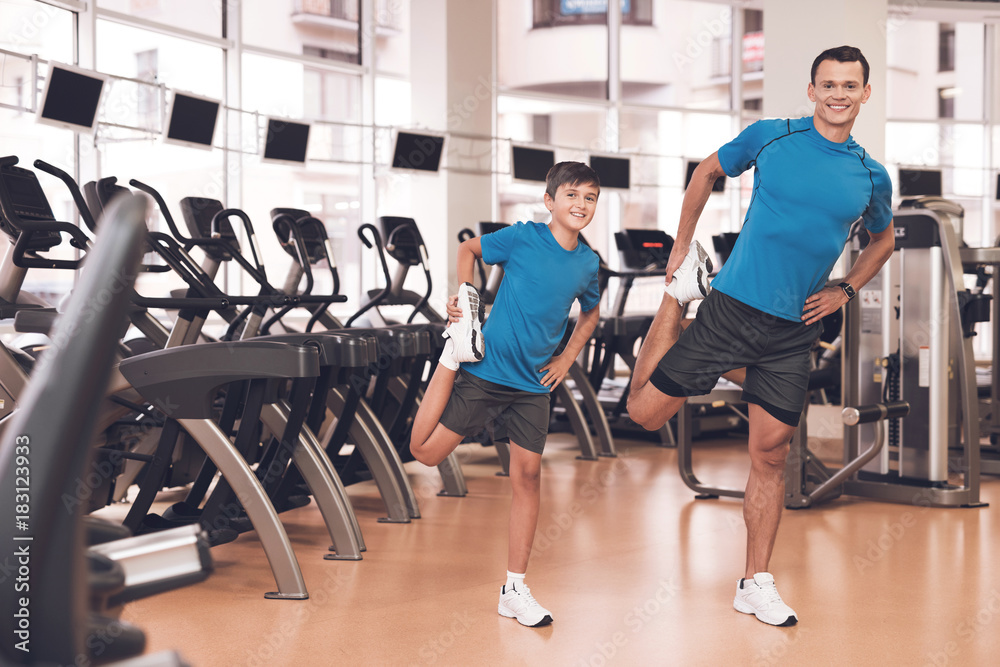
{"type": "Point", "coordinates": [555, 371]}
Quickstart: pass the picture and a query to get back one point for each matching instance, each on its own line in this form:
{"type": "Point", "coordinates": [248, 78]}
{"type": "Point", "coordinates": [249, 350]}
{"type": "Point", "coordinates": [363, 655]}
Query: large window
{"type": "Point", "coordinates": [549, 13]}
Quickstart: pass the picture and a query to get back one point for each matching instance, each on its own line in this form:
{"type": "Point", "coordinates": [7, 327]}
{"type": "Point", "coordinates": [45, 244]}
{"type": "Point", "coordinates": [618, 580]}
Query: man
{"type": "Point", "coordinates": [812, 182]}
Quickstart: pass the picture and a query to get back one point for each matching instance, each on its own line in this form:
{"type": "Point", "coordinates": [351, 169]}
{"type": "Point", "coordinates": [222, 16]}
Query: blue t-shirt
{"type": "Point", "coordinates": [807, 192]}
{"type": "Point", "coordinates": [528, 319]}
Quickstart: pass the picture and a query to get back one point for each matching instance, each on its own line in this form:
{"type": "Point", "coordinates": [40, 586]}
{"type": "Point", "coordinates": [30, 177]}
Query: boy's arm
{"type": "Point", "coordinates": [558, 366]}
{"type": "Point", "coordinates": [468, 252]}
{"type": "Point", "coordinates": [465, 264]}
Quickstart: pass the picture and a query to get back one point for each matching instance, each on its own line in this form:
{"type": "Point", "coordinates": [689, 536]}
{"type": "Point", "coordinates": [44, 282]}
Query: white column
{"type": "Point", "coordinates": [796, 31]}
{"type": "Point", "coordinates": [453, 88]}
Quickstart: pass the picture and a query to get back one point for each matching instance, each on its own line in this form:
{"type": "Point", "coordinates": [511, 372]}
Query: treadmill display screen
{"type": "Point", "coordinates": [26, 195]}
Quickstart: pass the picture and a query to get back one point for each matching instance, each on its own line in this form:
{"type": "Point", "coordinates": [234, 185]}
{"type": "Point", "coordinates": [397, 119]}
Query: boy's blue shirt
{"type": "Point", "coordinates": [807, 193]}
{"type": "Point", "coordinates": [531, 310]}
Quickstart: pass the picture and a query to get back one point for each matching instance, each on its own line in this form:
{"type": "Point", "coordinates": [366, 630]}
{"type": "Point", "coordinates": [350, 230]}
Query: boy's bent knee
{"type": "Point", "coordinates": [421, 454]}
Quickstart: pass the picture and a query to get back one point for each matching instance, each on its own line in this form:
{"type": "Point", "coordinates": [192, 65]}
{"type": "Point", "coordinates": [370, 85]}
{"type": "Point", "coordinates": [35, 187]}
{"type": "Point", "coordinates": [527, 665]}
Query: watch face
{"type": "Point", "coordinates": [848, 290]}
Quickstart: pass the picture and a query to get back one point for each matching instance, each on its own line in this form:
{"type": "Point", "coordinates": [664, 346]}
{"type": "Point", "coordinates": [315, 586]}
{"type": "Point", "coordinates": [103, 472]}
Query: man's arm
{"type": "Point", "coordinates": [695, 198]}
{"type": "Point", "coordinates": [558, 366]}
{"type": "Point", "coordinates": [869, 262]}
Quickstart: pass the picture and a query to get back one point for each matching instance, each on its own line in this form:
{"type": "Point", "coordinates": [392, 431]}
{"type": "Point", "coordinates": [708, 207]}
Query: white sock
{"type": "Point", "coordinates": [514, 579]}
{"type": "Point", "coordinates": [448, 355]}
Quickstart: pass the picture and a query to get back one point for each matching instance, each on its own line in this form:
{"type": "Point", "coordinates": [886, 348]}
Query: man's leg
{"type": "Point", "coordinates": [430, 442]}
{"type": "Point", "coordinates": [765, 493]}
{"type": "Point", "coordinates": [762, 504]}
{"type": "Point", "coordinates": [516, 600]}
{"type": "Point", "coordinates": [647, 405]}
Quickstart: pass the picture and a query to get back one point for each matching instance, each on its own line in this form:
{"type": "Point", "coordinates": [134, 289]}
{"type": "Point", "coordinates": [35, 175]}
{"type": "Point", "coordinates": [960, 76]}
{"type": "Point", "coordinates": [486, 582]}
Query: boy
{"type": "Point", "coordinates": [546, 269]}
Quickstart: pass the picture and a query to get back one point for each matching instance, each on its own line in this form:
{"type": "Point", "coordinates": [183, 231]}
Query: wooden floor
{"type": "Point", "coordinates": [634, 569]}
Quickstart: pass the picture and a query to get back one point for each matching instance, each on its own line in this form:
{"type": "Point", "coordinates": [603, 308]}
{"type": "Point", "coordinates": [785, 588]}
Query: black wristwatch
{"type": "Point", "coordinates": [848, 290]}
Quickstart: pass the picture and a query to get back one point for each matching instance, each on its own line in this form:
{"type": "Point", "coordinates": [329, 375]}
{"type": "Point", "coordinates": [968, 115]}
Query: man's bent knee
{"type": "Point", "coordinates": [650, 408]}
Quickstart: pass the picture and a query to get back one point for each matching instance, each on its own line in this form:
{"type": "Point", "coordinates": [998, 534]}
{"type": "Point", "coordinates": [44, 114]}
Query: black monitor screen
{"type": "Point", "coordinates": [417, 151]}
{"type": "Point", "coordinates": [286, 141]}
{"type": "Point", "coordinates": [192, 120]}
{"type": "Point", "coordinates": [71, 97]}
{"type": "Point", "coordinates": [718, 186]}
{"type": "Point", "coordinates": [531, 164]}
{"type": "Point", "coordinates": [613, 171]}
{"type": "Point", "coordinates": [916, 182]}
{"type": "Point", "coordinates": [26, 195]}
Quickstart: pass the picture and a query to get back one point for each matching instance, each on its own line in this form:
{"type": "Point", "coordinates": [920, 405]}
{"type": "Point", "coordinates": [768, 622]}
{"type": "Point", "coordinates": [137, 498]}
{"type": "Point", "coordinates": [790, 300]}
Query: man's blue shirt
{"type": "Point", "coordinates": [807, 193]}
{"type": "Point", "coordinates": [528, 319]}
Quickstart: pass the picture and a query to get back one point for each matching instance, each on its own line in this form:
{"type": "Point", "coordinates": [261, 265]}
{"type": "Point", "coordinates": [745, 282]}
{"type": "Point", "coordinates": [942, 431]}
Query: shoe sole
{"type": "Point", "coordinates": [706, 261]}
{"type": "Point", "coordinates": [744, 608]}
{"type": "Point", "coordinates": [506, 613]}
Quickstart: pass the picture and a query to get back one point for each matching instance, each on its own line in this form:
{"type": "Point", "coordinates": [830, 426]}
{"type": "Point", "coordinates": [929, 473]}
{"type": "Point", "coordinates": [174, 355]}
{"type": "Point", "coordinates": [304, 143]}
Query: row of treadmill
{"type": "Point", "coordinates": [289, 404]}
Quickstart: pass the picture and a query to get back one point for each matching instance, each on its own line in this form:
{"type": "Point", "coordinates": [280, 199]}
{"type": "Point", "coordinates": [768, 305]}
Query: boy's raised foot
{"type": "Point", "coordinates": [467, 333]}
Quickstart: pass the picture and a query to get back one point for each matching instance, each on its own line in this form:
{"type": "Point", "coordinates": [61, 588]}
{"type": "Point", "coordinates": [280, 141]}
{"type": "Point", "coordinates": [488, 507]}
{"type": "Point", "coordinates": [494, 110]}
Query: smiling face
{"type": "Point", "coordinates": [838, 91]}
{"type": "Point", "coordinates": [572, 208]}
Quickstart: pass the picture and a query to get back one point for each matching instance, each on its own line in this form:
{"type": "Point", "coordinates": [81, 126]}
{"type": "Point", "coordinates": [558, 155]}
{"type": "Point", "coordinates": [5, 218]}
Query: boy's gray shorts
{"type": "Point", "coordinates": [729, 334]}
{"type": "Point", "coordinates": [510, 415]}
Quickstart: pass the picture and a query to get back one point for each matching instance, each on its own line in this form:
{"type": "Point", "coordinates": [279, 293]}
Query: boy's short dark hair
{"type": "Point", "coordinates": [842, 54]}
{"type": "Point", "coordinates": [573, 173]}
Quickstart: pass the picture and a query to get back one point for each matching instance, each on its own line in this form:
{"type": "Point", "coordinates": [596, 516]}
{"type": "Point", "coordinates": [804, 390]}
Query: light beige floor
{"type": "Point", "coordinates": [635, 570]}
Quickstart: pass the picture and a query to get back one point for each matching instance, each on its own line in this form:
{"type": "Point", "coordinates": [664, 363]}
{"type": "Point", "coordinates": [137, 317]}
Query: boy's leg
{"type": "Point", "coordinates": [525, 485]}
{"type": "Point", "coordinates": [430, 442]}
{"type": "Point", "coordinates": [516, 600]}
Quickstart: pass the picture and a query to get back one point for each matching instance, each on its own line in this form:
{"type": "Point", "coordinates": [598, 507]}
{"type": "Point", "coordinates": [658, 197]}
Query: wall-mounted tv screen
{"type": "Point", "coordinates": [917, 182]}
{"type": "Point", "coordinates": [71, 98]}
{"type": "Point", "coordinates": [613, 171]}
{"type": "Point", "coordinates": [718, 186]}
{"type": "Point", "coordinates": [531, 164]}
{"type": "Point", "coordinates": [417, 151]}
{"type": "Point", "coordinates": [285, 141]}
{"type": "Point", "coordinates": [191, 121]}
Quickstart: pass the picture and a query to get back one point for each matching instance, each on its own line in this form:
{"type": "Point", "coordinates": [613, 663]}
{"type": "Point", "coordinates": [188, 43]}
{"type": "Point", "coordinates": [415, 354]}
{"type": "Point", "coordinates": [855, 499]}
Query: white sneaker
{"type": "Point", "coordinates": [518, 603]}
{"type": "Point", "coordinates": [467, 333]}
{"type": "Point", "coordinates": [759, 596]}
{"type": "Point", "coordinates": [690, 281]}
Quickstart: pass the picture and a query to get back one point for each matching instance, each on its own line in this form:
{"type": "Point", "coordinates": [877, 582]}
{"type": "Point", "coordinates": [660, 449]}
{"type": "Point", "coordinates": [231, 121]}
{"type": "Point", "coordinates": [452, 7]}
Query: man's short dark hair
{"type": "Point", "coordinates": [573, 173]}
{"type": "Point", "coordinates": [842, 54]}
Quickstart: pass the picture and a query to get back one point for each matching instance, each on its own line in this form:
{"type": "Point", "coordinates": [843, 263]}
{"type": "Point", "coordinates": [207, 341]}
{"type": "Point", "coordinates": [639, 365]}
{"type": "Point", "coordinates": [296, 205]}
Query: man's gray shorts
{"type": "Point", "coordinates": [511, 415]}
{"type": "Point", "coordinates": [729, 334]}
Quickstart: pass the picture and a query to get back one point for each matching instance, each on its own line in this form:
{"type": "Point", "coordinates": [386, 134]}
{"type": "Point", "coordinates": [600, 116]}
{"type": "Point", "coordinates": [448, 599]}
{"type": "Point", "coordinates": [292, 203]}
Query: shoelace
{"type": "Point", "coordinates": [770, 593]}
{"type": "Point", "coordinates": [526, 596]}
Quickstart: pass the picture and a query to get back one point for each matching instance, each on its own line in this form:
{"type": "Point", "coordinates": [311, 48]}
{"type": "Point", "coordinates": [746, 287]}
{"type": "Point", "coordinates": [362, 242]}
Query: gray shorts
{"type": "Point", "coordinates": [509, 415]}
{"type": "Point", "coordinates": [729, 334]}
